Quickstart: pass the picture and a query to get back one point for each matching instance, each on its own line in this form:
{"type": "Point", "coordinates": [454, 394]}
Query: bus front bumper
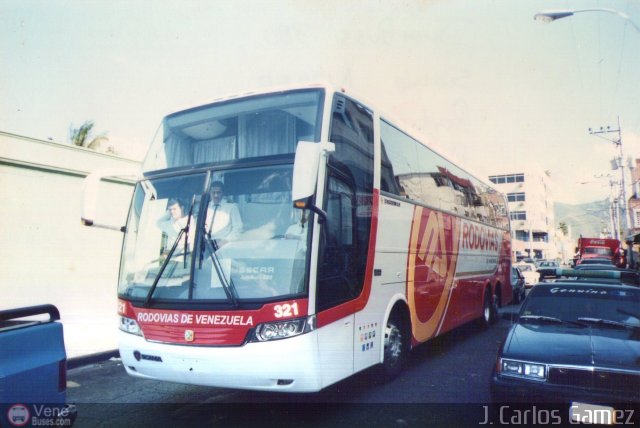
{"type": "Point", "coordinates": [279, 365]}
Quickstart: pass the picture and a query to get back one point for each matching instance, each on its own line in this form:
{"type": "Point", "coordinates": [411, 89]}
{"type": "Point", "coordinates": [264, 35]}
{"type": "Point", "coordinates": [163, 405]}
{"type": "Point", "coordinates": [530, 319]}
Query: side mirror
{"type": "Point", "coordinates": [90, 194]}
{"type": "Point", "coordinates": [305, 174]}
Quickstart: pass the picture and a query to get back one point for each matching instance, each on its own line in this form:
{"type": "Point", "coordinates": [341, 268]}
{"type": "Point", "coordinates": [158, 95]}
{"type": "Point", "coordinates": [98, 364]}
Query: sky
{"type": "Point", "coordinates": [483, 81]}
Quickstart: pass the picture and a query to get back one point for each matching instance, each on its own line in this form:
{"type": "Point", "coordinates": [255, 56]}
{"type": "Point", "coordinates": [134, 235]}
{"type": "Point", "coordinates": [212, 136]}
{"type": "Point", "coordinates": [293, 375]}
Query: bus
{"type": "Point", "coordinates": [340, 243]}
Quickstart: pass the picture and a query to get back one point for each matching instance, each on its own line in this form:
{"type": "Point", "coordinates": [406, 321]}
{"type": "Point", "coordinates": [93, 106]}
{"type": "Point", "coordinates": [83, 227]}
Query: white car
{"type": "Point", "coordinates": [530, 273]}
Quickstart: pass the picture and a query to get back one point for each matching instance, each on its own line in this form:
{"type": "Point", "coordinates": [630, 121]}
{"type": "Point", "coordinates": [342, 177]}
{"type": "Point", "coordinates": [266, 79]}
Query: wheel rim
{"type": "Point", "coordinates": [392, 344]}
{"type": "Point", "coordinates": [487, 309]}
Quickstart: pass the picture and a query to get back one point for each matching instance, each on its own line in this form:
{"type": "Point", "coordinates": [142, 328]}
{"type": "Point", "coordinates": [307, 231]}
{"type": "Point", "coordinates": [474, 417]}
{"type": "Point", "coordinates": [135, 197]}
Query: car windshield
{"type": "Point", "coordinates": [594, 266]}
{"type": "Point", "coordinates": [237, 238]}
{"type": "Point", "coordinates": [572, 302]}
{"type": "Point", "coordinates": [601, 251]}
{"type": "Point", "coordinates": [525, 268]}
{"type": "Point", "coordinates": [596, 261]}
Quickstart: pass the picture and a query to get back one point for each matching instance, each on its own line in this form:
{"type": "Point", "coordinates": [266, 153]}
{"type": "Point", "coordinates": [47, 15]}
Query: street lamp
{"type": "Point", "coordinates": [552, 15]}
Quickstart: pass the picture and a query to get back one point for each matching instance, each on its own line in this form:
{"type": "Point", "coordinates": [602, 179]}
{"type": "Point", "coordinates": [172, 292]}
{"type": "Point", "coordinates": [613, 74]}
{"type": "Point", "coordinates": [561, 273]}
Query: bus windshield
{"type": "Point", "coordinates": [236, 239]}
{"type": "Point", "coordinates": [257, 126]}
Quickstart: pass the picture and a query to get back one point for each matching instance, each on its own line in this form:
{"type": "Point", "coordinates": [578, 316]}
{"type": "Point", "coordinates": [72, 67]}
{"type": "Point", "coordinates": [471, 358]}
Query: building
{"type": "Point", "coordinates": [531, 211]}
{"type": "Point", "coordinates": [47, 256]}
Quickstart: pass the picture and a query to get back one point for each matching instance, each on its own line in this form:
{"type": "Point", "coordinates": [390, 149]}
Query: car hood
{"type": "Point", "coordinates": [572, 345]}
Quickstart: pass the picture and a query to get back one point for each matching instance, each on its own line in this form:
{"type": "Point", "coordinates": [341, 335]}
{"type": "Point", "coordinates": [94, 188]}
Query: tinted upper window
{"type": "Point", "coordinates": [412, 170]}
{"type": "Point", "coordinates": [262, 125]}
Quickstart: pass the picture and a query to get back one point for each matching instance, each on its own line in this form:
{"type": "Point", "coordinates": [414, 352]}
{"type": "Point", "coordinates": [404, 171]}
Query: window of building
{"type": "Point", "coordinates": [518, 215]}
{"type": "Point", "coordinates": [509, 178]}
{"type": "Point", "coordinates": [516, 197]}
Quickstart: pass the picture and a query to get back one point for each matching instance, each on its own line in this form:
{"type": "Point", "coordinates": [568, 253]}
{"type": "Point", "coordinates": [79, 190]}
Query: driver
{"type": "Point", "coordinates": [223, 222]}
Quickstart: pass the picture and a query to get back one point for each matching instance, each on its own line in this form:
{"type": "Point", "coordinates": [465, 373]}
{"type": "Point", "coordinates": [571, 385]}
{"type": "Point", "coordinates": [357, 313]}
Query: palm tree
{"type": "Point", "coordinates": [82, 136]}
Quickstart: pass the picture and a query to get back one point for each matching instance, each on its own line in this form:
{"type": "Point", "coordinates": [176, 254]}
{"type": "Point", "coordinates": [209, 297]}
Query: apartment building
{"type": "Point", "coordinates": [531, 211]}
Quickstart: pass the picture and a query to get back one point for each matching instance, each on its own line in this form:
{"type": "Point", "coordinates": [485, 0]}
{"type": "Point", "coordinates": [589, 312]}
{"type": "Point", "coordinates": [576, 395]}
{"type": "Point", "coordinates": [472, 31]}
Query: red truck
{"type": "Point", "coordinates": [601, 248]}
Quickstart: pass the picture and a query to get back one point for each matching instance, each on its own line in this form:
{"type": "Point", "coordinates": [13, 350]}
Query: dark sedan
{"type": "Point", "coordinates": [573, 342]}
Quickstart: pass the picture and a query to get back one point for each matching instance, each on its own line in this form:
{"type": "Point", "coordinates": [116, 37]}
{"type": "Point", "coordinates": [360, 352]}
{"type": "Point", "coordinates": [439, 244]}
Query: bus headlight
{"type": "Point", "coordinates": [523, 369]}
{"type": "Point", "coordinates": [129, 325]}
{"type": "Point", "coordinates": [283, 329]}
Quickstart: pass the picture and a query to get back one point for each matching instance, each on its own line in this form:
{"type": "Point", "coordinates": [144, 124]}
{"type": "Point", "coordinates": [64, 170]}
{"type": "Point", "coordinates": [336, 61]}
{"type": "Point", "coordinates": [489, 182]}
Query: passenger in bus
{"type": "Point", "coordinates": [173, 220]}
{"type": "Point", "coordinates": [223, 222]}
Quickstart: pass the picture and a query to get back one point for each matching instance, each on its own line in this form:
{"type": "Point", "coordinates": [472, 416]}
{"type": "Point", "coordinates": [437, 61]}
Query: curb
{"type": "Point", "coordinates": [85, 360]}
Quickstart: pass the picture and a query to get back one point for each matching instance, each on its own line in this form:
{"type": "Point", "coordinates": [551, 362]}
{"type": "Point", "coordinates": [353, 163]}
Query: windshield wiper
{"type": "Point", "coordinates": [227, 286]}
{"type": "Point", "coordinates": [607, 323]}
{"type": "Point", "coordinates": [147, 299]}
{"type": "Point", "coordinates": [544, 318]}
{"type": "Point", "coordinates": [184, 231]}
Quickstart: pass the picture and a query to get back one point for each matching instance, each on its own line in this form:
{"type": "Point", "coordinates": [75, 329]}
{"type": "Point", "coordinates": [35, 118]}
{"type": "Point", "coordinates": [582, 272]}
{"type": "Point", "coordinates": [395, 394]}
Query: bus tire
{"type": "Point", "coordinates": [496, 303]}
{"type": "Point", "coordinates": [396, 346]}
{"type": "Point", "coordinates": [489, 310]}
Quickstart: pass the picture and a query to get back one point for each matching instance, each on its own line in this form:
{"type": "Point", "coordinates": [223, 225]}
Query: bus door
{"type": "Point", "coordinates": [336, 284]}
{"type": "Point", "coordinates": [344, 242]}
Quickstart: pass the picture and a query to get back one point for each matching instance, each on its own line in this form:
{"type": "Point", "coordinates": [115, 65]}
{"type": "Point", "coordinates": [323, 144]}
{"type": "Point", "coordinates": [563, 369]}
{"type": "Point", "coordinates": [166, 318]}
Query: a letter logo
{"type": "Point", "coordinates": [431, 269]}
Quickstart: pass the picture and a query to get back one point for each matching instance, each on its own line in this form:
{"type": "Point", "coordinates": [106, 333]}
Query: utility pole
{"type": "Point", "coordinates": [619, 163]}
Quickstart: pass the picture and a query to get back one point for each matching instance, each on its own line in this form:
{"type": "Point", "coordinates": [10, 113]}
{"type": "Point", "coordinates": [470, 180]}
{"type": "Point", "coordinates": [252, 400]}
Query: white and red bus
{"type": "Point", "coordinates": [348, 242]}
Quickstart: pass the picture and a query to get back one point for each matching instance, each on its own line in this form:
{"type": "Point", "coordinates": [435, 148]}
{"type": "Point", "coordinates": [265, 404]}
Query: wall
{"type": "Point", "coordinates": [46, 255]}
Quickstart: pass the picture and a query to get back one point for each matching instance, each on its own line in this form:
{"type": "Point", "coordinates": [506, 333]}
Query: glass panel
{"type": "Point", "coordinates": [156, 231]}
{"type": "Point", "coordinates": [569, 303]}
{"type": "Point", "coordinates": [256, 126]}
{"type": "Point", "coordinates": [404, 158]}
{"type": "Point", "coordinates": [249, 241]}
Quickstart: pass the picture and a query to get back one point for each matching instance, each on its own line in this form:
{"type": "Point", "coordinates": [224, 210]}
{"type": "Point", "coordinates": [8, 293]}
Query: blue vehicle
{"type": "Point", "coordinates": [33, 368]}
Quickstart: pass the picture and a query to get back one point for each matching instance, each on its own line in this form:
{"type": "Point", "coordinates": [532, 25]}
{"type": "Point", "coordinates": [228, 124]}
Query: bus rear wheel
{"type": "Point", "coordinates": [396, 347]}
{"type": "Point", "coordinates": [489, 310]}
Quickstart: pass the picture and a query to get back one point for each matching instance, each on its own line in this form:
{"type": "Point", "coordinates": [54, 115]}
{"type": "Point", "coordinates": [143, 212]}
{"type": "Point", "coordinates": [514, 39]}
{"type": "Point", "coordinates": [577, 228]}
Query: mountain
{"type": "Point", "coordinates": [587, 219]}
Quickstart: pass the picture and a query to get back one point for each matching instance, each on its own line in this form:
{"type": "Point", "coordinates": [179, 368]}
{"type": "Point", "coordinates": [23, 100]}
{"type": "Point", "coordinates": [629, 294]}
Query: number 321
{"type": "Point", "coordinates": [286, 310]}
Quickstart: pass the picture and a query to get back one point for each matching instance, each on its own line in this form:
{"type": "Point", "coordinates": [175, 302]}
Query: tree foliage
{"type": "Point", "coordinates": [83, 136]}
{"type": "Point", "coordinates": [563, 228]}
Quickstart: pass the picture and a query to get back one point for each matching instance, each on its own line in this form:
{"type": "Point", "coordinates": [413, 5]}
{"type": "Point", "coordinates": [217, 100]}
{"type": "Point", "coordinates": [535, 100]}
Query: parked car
{"type": "Point", "coordinates": [547, 269]}
{"type": "Point", "coordinates": [574, 342]}
{"type": "Point", "coordinates": [531, 275]}
{"type": "Point", "coordinates": [517, 286]}
{"type": "Point", "coordinates": [33, 368]}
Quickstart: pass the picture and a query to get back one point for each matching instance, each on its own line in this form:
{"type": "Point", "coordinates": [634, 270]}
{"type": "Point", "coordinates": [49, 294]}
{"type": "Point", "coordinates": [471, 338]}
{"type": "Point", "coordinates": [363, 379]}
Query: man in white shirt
{"type": "Point", "coordinates": [223, 221]}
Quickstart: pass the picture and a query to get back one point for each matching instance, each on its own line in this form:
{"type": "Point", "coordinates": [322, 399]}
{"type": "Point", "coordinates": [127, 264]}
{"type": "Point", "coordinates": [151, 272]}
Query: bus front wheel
{"type": "Point", "coordinates": [396, 347]}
